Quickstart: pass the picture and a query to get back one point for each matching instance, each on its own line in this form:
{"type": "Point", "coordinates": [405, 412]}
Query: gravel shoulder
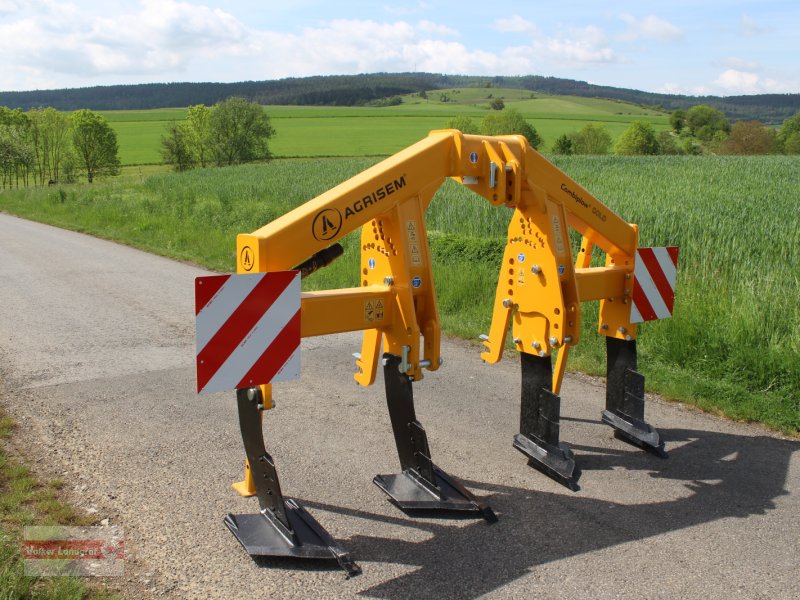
{"type": "Point", "coordinates": [97, 355]}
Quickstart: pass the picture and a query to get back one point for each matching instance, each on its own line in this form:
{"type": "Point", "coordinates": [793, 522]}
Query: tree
{"type": "Point", "coordinates": [50, 136]}
{"type": "Point", "coordinates": [497, 104]}
{"type": "Point", "coordinates": [17, 158]}
{"type": "Point", "coordinates": [197, 132]}
{"type": "Point", "coordinates": [239, 132]}
{"type": "Point", "coordinates": [677, 120]}
{"type": "Point", "coordinates": [507, 122]}
{"type": "Point", "coordinates": [639, 138]}
{"type": "Point", "coordinates": [176, 147]}
{"type": "Point", "coordinates": [95, 143]}
{"type": "Point", "coordinates": [592, 139]}
{"type": "Point", "coordinates": [749, 137]}
{"type": "Point", "coordinates": [463, 123]}
{"type": "Point", "coordinates": [789, 135]}
{"type": "Point", "coordinates": [563, 145]}
{"type": "Point", "coordinates": [667, 143]}
{"type": "Point", "coordinates": [705, 122]}
{"type": "Point", "coordinates": [792, 144]}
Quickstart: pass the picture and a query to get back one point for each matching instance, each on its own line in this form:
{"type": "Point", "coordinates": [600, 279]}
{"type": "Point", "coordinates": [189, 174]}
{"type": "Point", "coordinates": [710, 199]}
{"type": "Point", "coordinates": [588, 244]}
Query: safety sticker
{"type": "Point", "coordinates": [371, 263]}
{"type": "Point", "coordinates": [521, 257]}
{"type": "Point", "coordinates": [416, 282]}
{"type": "Point", "coordinates": [373, 311]}
{"type": "Point", "coordinates": [379, 310]}
{"type": "Point", "coordinates": [413, 246]}
{"type": "Point", "coordinates": [473, 158]}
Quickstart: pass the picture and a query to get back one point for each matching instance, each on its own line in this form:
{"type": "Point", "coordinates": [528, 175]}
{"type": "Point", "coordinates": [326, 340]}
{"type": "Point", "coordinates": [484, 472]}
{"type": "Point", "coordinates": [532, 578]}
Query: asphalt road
{"type": "Point", "coordinates": [97, 355]}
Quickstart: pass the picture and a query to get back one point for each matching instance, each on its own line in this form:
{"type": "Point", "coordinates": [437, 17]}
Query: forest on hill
{"type": "Point", "coordinates": [355, 90]}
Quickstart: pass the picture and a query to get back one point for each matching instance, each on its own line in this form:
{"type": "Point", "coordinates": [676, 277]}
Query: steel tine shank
{"type": "Point", "coordinates": [421, 486]}
{"type": "Point", "coordinates": [625, 398]}
{"type": "Point", "coordinates": [282, 527]}
{"type": "Point", "coordinates": [540, 415]}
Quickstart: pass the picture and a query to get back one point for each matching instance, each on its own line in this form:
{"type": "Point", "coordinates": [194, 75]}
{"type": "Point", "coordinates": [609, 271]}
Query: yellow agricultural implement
{"type": "Point", "coordinates": [541, 285]}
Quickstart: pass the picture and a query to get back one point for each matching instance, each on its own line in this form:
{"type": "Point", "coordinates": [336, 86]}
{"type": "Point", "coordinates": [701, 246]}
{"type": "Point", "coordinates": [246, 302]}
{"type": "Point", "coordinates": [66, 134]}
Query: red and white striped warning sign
{"type": "Point", "coordinates": [248, 329]}
{"type": "Point", "coordinates": [654, 283]}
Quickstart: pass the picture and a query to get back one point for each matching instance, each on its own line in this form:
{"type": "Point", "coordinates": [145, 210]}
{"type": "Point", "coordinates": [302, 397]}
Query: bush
{"type": "Point", "coordinates": [592, 139]}
{"type": "Point", "coordinates": [639, 138]}
{"type": "Point", "coordinates": [463, 123]}
{"type": "Point", "coordinates": [509, 122]}
{"type": "Point", "coordinates": [563, 145]}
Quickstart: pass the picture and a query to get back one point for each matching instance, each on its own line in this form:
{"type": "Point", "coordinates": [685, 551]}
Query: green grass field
{"type": "Point", "coordinates": [733, 345]}
{"type": "Point", "coordinates": [312, 131]}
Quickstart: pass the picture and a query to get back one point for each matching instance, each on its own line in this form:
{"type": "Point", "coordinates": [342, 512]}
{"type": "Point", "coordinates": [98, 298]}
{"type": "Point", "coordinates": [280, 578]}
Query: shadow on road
{"type": "Point", "coordinates": [722, 476]}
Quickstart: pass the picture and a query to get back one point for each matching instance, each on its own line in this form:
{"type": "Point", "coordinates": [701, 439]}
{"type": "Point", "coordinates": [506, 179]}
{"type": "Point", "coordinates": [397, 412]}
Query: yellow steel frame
{"type": "Point", "coordinates": [540, 286]}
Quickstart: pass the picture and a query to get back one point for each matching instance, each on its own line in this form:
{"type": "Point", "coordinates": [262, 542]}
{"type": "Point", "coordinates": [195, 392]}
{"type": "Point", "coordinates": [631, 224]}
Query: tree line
{"type": "Point", "coordinates": [699, 130]}
{"type": "Point", "coordinates": [354, 90]}
{"type": "Point", "coordinates": [45, 146]}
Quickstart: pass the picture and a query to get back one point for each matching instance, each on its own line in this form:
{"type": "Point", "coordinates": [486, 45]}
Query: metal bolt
{"type": "Point", "coordinates": [388, 281]}
{"type": "Point", "coordinates": [424, 364]}
{"type": "Point", "coordinates": [508, 303]}
{"type": "Point", "coordinates": [441, 361]}
{"type": "Point", "coordinates": [536, 345]}
{"type": "Point", "coordinates": [623, 330]}
{"type": "Point", "coordinates": [536, 269]}
{"type": "Point", "coordinates": [568, 339]}
{"type": "Point", "coordinates": [251, 394]}
{"type": "Point", "coordinates": [554, 341]}
{"type": "Point", "coordinates": [604, 326]}
{"type": "Point", "coordinates": [484, 337]}
{"type": "Point", "coordinates": [517, 340]}
{"type": "Point", "coordinates": [542, 353]}
{"type": "Point", "coordinates": [628, 338]}
{"type": "Point", "coordinates": [627, 275]}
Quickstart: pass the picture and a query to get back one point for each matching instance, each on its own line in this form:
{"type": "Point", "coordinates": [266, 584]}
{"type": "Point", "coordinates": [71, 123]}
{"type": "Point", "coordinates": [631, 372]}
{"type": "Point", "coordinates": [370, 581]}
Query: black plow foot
{"type": "Point", "coordinates": [261, 534]}
{"type": "Point", "coordinates": [635, 431]}
{"type": "Point", "coordinates": [557, 462]}
{"type": "Point", "coordinates": [413, 493]}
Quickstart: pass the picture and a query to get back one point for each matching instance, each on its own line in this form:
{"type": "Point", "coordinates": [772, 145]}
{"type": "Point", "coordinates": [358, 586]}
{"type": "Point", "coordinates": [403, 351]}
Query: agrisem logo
{"type": "Point", "coordinates": [326, 224]}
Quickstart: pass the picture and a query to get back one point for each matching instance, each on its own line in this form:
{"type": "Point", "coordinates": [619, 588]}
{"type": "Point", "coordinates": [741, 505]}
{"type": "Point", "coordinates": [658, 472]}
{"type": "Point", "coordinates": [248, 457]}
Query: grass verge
{"type": "Point", "coordinates": [26, 501]}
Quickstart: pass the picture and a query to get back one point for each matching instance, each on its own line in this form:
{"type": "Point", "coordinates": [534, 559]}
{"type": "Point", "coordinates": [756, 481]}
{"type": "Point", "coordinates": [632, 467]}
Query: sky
{"type": "Point", "coordinates": [725, 47]}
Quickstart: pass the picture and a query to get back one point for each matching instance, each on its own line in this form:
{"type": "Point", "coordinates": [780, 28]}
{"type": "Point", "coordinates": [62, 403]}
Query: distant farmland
{"type": "Point", "coordinates": [312, 131]}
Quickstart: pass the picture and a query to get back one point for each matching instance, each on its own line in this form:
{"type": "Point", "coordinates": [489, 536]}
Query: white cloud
{"type": "Point", "coordinates": [733, 81]}
{"type": "Point", "coordinates": [583, 46]}
{"type": "Point", "coordinates": [435, 28]}
{"type": "Point", "coordinates": [740, 64]}
{"type": "Point", "coordinates": [649, 27]}
{"type": "Point", "coordinates": [751, 27]}
{"type": "Point", "coordinates": [514, 24]}
{"type": "Point", "coordinates": [354, 46]}
{"type": "Point", "coordinates": [8, 6]}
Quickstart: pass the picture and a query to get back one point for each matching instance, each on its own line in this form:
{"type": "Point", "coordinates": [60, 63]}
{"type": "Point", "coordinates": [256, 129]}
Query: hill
{"type": "Point", "coordinates": [355, 90]}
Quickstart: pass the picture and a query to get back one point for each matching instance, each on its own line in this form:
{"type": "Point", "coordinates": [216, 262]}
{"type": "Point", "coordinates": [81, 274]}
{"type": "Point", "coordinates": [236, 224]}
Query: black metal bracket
{"type": "Point", "coordinates": [540, 416]}
{"type": "Point", "coordinates": [625, 398]}
{"type": "Point", "coordinates": [282, 527]}
{"type": "Point", "coordinates": [421, 486]}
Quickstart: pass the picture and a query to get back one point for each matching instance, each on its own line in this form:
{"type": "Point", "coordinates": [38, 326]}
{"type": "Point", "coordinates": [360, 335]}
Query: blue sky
{"type": "Point", "coordinates": [690, 47]}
